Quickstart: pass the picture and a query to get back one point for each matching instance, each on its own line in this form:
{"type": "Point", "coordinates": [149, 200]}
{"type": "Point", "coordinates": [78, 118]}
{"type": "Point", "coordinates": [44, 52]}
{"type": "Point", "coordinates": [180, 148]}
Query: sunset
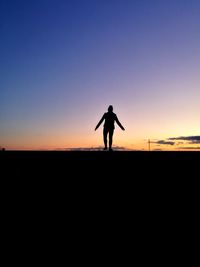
{"type": "Point", "coordinates": [64, 62]}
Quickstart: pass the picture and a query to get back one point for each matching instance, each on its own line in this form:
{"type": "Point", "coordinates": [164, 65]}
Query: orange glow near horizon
{"type": "Point", "coordinates": [96, 141]}
{"type": "Point", "coordinates": [133, 138]}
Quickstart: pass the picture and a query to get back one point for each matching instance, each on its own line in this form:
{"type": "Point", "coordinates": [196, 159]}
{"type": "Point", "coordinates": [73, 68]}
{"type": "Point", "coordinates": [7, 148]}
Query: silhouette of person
{"type": "Point", "coordinates": [110, 117]}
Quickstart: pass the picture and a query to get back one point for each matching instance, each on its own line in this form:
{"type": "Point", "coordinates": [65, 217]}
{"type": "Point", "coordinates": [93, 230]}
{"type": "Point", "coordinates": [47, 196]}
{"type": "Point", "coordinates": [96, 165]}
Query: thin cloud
{"type": "Point", "coordinates": [163, 142]}
{"type": "Point", "coordinates": [194, 142]}
{"type": "Point", "coordinates": [85, 148]}
{"type": "Point", "coordinates": [189, 147]}
{"type": "Point", "coordinates": [188, 139]}
{"type": "Point", "coordinates": [116, 148]}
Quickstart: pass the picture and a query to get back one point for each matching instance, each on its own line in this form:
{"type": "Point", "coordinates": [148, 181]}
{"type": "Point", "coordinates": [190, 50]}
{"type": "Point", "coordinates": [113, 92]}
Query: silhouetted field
{"type": "Point", "coordinates": [117, 172]}
{"type": "Point", "coordinates": [93, 163]}
{"type": "Point", "coordinates": [79, 156]}
{"type": "Point", "coordinates": [100, 185]}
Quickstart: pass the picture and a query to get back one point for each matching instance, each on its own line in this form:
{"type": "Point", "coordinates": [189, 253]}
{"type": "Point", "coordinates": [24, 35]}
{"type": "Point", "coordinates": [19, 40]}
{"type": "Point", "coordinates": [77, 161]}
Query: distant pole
{"type": "Point", "coordinates": [149, 142]}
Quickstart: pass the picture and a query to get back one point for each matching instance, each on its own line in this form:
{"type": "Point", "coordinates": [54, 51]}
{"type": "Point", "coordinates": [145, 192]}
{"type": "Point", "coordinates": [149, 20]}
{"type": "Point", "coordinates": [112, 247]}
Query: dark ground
{"type": "Point", "coordinates": [95, 172]}
{"type": "Point", "coordinates": [116, 195]}
{"type": "Point", "coordinates": [98, 164]}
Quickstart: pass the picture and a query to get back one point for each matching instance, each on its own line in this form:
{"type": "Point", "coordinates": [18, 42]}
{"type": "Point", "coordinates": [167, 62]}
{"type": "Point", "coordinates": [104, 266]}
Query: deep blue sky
{"type": "Point", "coordinates": [63, 62]}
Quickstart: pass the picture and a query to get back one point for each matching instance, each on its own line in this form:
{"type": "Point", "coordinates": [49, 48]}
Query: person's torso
{"type": "Point", "coordinates": [109, 120]}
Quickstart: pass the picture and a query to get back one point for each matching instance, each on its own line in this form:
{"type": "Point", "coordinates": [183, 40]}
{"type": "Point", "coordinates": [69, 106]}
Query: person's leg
{"type": "Point", "coordinates": [105, 133]}
{"type": "Point", "coordinates": [110, 138]}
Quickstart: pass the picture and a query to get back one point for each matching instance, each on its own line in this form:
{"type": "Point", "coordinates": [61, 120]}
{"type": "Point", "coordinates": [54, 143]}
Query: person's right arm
{"type": "Point", "coordinates": [100, 122]}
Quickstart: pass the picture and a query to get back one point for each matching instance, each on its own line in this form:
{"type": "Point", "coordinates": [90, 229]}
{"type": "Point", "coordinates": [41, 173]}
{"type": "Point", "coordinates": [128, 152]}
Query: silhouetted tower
{"type": "Point", "coordinates": [149, 144]}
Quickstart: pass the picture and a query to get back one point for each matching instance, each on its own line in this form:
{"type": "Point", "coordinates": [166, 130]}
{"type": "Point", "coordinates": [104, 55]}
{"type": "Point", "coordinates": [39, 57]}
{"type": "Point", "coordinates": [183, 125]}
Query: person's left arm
{"type": "Point", "coordinates": [118, 122]}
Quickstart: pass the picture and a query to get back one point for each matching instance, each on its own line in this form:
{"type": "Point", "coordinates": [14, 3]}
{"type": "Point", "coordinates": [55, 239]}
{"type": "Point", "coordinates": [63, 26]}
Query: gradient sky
{"type": "Point", "coordinates": [62, 63]}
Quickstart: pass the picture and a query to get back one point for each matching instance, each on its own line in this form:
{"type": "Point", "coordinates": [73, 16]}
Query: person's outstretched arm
{"type": "Point", "coordinates": [118, 122]}
{"type": "Point", "coordinates": [100, 122]}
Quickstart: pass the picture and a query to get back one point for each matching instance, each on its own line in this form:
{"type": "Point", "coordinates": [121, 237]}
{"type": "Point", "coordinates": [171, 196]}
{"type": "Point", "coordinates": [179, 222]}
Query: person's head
{"type": "Point", "coordinates": [110, 108]}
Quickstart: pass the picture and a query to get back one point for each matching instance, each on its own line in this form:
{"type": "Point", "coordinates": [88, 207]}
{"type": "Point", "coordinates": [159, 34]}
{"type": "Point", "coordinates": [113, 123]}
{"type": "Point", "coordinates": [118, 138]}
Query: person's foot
{"type": "Point", "coordinates": [110, 149]}
{"type": "Point", "coordinates": [105, 148]}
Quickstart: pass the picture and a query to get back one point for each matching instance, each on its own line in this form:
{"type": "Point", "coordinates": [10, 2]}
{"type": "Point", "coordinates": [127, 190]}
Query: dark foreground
{"type": "Point", "coordinates": [94, 163]}
{"type": "Point", "coordinates": [101, 193]}
{"type": "Point", "coordinates": [80, 156]}
{"type": "Point", "coordinates": [102, 175]}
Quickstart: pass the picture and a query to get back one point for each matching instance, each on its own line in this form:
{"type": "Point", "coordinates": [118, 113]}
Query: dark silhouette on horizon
{"type": "Point", "coordinates": [109, 125]}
